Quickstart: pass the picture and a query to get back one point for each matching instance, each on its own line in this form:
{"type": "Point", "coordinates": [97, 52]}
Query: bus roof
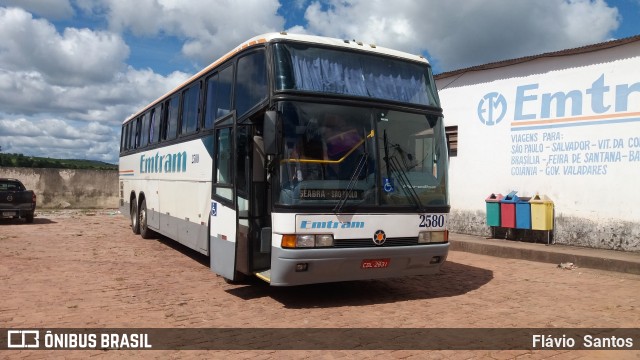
{"type": "Point", "coordinates": [269, 37]}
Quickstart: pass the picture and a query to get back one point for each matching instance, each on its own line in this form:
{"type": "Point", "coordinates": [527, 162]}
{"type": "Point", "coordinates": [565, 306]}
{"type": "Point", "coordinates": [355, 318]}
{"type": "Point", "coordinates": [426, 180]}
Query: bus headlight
{"type": "Point", "coordinates": [292, 241]}
{"type": "Point", "coordinates": [305, 241]}
{"type": "Point", "coordinates": [324, 240]}
{"type": "Point", "coordinates": [426, 237]}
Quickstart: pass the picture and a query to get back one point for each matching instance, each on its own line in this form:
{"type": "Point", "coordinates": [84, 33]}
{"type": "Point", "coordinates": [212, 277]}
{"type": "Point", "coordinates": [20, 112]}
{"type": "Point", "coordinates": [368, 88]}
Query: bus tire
{"type": "Point", "coordinates": [135, 224]}
{"type": "Point", "coordinates": [145, 232]}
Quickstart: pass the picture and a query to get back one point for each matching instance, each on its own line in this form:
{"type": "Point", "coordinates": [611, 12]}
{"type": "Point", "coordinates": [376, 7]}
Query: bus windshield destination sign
{"type": "Point", "coordinates": [330, 194]}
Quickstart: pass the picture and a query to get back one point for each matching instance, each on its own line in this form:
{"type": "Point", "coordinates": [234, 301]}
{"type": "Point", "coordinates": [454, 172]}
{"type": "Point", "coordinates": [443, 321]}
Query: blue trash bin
{"type": "Point", "coordinates": [523, 213]}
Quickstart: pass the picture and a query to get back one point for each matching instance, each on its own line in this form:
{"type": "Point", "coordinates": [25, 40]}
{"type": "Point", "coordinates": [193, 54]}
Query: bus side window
{"type": "Point", "coordinates": [123, 136]}
{"type": "Point", "coordinates": [154, 130]}
{"type": "Point", "coordinates": [127, 140]}
{"type": "Point", "coordinates": [190, 100]}
{"type": "Point", "coordinates": [144, 130]}
{"type": "Point", "coordinates": [251, 82]}
{"type": "Point", "coordinates": [223, 94]}
{"type": "Point", "coordinates": [132, 134]}
{"type": "Point", "coordinates": [218, 101]}
{"type": "Point", "coordinates": [173, 107]}
{"type": "Point", "coordinates": [138, 131]}
{"type": "Point", "coordinates": [223, 182]}
{"type": "Point", "coordinates": [211, 107]}
{"type": "Point", "coordinates": [163, 121]}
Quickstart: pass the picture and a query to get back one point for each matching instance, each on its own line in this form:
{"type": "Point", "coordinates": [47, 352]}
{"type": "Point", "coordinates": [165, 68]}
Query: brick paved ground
{"type": "Point", "coordinates": [76, 270]}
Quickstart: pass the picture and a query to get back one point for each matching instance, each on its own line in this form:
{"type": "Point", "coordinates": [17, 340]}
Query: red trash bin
{"type": "Point", "coordinates": [508, 210]}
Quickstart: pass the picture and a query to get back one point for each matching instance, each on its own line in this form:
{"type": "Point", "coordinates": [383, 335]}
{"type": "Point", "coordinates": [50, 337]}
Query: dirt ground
{"type": "Point", "coordinates": [73, 269]}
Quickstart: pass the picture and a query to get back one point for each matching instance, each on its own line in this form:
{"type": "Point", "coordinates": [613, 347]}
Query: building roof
{"type": "Point", "coordinates": [574, 51]}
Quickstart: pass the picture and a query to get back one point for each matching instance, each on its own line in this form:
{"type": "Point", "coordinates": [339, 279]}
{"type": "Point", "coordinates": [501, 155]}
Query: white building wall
{"type": "Point", "coordinates": [567, 127]}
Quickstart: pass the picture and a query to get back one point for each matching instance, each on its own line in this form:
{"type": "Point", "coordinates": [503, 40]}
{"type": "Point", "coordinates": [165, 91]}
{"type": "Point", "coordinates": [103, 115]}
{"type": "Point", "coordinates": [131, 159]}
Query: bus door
{"type": "Point", "coordinates": [239, 203]}
{"type": "Point", "coordinates": [251, 200]}
{"type": "Point", "coordinates": [224, 215]}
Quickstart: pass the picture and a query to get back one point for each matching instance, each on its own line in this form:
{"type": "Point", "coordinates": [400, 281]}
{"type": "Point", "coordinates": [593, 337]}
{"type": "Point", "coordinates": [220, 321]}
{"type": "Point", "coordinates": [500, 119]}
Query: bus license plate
{"type": "Point", "coordinates": [375, 263]}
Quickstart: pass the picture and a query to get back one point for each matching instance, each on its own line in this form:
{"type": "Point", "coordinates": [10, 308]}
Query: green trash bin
{"type": "Point", "coordinates": [493, 209]}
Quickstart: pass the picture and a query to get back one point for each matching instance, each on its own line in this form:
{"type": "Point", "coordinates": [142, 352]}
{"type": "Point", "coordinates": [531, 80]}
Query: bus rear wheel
{"type": "Point", "coordinates": [145, 232]}
{"type": "Point", "coordinates": [135, 224]}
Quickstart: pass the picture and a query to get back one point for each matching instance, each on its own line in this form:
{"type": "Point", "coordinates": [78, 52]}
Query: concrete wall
{"type": "Point", "coordinates": [567, 127]}
{"type": "Point", "coordinates": [63, 188]}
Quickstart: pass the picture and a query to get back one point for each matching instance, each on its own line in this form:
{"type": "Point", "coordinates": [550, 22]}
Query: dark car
{"type": "Point", "coordinates": [16, 201]}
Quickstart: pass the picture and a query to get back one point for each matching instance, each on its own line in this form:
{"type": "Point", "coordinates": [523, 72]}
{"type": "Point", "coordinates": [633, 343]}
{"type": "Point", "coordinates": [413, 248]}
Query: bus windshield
{"type": "Point", "coordinates": [301, 67]}
{"type": "Point", "coordinates": [360, 156]}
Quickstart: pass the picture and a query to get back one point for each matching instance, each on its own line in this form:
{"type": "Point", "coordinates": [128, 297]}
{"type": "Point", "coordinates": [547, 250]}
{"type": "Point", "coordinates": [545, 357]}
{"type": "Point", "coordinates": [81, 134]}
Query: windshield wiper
{"type": "Point", "coordinates": [394, 165]}
{"type": "Point", "coordinates": [362, 162]}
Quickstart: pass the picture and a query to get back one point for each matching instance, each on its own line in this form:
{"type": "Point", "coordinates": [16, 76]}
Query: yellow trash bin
{"type": "Point", "coordinates": [541, 213]}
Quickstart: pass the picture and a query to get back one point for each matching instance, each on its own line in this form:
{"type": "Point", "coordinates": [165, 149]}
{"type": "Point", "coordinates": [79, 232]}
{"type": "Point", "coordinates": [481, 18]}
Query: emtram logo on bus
{"type": "Point", "coordinates": [331, 224]}
{"type": "Point", "coordinates": [169, 163]}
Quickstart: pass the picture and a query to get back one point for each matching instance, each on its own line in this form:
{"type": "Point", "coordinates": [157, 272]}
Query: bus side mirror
{"type": "Point", "coordinates": [269, 133]}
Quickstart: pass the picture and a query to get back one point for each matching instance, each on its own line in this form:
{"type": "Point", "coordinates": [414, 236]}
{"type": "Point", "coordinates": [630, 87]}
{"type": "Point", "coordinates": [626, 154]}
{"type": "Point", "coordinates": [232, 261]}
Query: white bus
{"type": "Point", "coordinates": [298, 159]}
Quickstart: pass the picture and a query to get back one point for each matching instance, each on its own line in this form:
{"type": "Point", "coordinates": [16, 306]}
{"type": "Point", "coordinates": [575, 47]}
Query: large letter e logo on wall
{"type": "Point", "coordinates": [492, 108]}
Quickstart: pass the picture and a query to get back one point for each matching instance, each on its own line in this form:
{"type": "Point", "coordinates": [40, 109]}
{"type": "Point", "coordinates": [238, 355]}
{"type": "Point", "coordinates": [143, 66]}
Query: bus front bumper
{"type": "Point", "coordinates": [308, 266]}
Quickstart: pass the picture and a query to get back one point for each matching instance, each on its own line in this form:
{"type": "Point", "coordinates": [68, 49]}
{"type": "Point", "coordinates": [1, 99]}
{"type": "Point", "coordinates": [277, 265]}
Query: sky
{"type": "Point", "coordinates": [72, 70]}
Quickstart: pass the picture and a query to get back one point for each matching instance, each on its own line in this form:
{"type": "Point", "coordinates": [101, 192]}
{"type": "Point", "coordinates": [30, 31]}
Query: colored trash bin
{"type": "Point", "coordinates": [541, 213]}
{"type": "Point", "coordinates": [523, 213]}
{"type": "Point", "coordinates": [493, 209]}
{"type": "Point", "coordinates": [508, 210]}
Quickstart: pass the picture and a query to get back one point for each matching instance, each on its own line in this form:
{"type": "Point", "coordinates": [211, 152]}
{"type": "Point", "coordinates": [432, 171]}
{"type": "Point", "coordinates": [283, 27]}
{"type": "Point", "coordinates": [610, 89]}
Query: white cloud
{"type": "Point", "coordinates": [56, 138]}
{"type": "Point", "coordinates": [18, 127]}
{"type": "Point", "coordinates": [77, 56]}
{"type": "Point", "coordinates": [209, 28]}
{"type": "Point", "coordinates": [83, 117]}
{"type": "Point", "coordinates": [299, 4]}
{"type": "Point", "coordinates": [51, 9]}
{"type": "Point", "coordinates": [28, 93]}
{"type": "Point", "coordinates": [81, 74]}
{"type": "Point", "coordinates": [61, 91]}
{"type": "Point", "coordinates": [460, 33]}
{"type": "Point", "coordinates": [65, 92]}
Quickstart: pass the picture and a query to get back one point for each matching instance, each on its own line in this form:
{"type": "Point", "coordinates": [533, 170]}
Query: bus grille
{"type": "Point", "coordinates": [359, 243]}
